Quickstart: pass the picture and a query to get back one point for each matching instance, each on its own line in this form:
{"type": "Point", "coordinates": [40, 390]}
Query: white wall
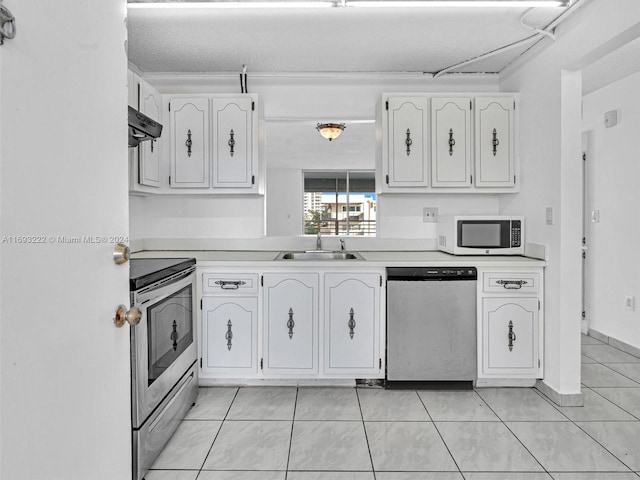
{"type": "Point", "coordinates": [613, 168]}
{"type": "Point", "coordinates": [550, 148]}
{"type": "Point", "coordinates": [291, 107]}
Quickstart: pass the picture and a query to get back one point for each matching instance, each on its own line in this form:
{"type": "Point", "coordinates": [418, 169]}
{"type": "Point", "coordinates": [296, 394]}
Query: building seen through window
{"type": "Point", "coordinates": [340, 203]}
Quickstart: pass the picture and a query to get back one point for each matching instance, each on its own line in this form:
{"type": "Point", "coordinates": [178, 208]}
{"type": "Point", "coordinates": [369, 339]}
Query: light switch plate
{"type": "Point", "coordinates": [549, 214]}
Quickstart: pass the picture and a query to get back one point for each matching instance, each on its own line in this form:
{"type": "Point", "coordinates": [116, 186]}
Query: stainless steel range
{"type": "Point", "coordinates": [164, 376]}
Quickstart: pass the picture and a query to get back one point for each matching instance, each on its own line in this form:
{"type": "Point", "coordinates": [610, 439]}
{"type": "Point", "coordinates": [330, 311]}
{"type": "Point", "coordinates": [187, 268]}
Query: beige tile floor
{"type": "Point", "coordinates": [321, 433]}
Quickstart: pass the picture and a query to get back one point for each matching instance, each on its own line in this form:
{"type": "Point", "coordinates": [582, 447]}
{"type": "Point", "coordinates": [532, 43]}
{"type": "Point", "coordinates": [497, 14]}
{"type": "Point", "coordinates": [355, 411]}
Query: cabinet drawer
{"type": "Point", "coordinates": [229, 284]}
{"type": "Point", "coordinates": [517, 283]}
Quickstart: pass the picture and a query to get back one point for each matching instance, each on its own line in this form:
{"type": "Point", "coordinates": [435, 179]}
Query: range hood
{"type": "Point", "coordinates": [142, 128]}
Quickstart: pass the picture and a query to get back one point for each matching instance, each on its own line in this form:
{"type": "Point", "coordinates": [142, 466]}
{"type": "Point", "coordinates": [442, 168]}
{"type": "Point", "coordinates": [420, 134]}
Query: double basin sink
{"type": "Point", "coordinates": [319, 255]}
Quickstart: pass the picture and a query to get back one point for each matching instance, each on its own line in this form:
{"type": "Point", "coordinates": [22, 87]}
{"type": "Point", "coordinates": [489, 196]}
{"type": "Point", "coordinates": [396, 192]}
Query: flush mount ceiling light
{"type": "Point", "coordinates": [351, 3]}
{"type": "Point", "coordinates": [330, 130]}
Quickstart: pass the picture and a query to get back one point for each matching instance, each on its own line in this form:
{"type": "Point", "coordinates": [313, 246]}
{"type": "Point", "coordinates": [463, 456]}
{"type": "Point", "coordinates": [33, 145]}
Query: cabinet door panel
{"type": "Point", "coordinates": [230, 334]}
{"type": "Point", "coordinates": [352, 323]}
{"type": "Point", "coordinates": [451, 142]}
{"type": "Point", "coordinates": [233, 135]}
{"type": "Point", "coordinates": [494, 142]}
{"type": "Point", "coordinates": [149, 161]}
{"type": "Point", "coordinates": [510, 336]}
{"type": "Point", "coordinates": [291, 323]}
{"type": "Point", "coordinates": [408, 151]}
{"type": "Point", "coordinates": [190, 143]}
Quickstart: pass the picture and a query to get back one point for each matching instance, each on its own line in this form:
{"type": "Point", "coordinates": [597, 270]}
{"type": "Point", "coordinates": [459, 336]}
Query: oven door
{"type": "Point", "coordinates": [163, 345]}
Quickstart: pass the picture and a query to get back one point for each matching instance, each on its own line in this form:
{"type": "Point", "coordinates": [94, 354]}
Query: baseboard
{"type": "Point", "coordinates": [614, 342]}
{"type": "Point", "coordinates": [560, 399]}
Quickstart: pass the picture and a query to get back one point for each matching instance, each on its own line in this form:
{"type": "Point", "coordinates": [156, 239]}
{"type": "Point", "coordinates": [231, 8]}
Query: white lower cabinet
{"type": "Point", "coordinates": [510, 326]}
{"type": "Point", "coordinates": [352, 324]}
{"type": "Point", "coordinates": [230, 335]}
{"type": "Point", "coordinates": [290, 336]}
{"type": "Point", "coordinates": [318, 323]}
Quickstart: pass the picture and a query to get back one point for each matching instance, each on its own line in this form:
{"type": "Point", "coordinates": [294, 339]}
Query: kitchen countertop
{"type": "Point", "coordinates": [370, 259]}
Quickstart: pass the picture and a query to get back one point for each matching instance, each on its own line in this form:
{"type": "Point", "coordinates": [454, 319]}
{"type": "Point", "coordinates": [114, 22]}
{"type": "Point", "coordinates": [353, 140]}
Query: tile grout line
{"type": "Point", "coordinates": [293, 420]}
{"type": "Point", "coordinates": [440, 434]}
{"type": "Point", "coordinates": [580, 428]}
{"type": "Point", "coordinates": [515, 436]}
{"type": "Point", "coordinates": [218, 432]}
{"type": "Point", "coordinates": [366, 437]}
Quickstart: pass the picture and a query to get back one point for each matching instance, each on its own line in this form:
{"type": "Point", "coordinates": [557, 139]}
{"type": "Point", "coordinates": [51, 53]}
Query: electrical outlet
{"type": "Point", "coordinates": [630, 302]}
{"type": "Point", "coordinates": [429, 214]}
{"type": "Point", "coordinates": [549, 215]}
{"type": "Point", "coordinates": [595, 216]}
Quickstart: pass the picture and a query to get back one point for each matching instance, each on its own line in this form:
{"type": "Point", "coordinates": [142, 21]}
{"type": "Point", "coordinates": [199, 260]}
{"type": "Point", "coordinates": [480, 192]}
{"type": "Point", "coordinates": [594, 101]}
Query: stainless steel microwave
{"type": "Point", "coordinates": [481, 234]}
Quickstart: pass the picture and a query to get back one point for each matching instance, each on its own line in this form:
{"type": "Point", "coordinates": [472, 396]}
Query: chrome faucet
{"type": "Point", "coordinates": [319, 241]}
{"type": "Point", "coordinates": [342, 244]}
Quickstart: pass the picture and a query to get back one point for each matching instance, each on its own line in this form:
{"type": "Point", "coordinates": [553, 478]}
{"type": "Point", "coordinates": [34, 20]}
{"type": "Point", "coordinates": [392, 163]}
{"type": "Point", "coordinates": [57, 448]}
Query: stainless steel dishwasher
{"type": "Point", "coordinates": [431, 327]}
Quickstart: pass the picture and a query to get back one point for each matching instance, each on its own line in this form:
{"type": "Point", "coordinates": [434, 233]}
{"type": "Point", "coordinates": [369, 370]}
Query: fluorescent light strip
{"type": "Point", "coordinates": [353, 3]}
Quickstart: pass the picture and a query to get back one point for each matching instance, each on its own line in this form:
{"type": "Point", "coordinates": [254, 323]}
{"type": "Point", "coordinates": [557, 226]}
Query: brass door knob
{"type": "Point", "coordinates": [121, 253]}
{"type": "Point", "coordinates": [123, 315]}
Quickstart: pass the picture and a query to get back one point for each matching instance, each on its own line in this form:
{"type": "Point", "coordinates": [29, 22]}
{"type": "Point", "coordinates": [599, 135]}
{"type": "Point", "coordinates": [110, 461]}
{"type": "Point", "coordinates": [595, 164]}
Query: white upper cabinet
{"type": "Point", "coordinates": [451, 142]}
{"type": "Point", "coordinates": [189, 143]}
{"type": "Point", "coordinates": [233, 163]}
{"type": "Point", "coordinates": [407, 142]}
{"type": "Point", "coordinates": [149, 166]}
{"type": "Point", "coordinates": [494, 127]}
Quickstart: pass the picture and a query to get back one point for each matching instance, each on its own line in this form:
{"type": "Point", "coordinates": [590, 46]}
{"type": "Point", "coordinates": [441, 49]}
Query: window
{"type": "Point", "coordinates": [340, 203]}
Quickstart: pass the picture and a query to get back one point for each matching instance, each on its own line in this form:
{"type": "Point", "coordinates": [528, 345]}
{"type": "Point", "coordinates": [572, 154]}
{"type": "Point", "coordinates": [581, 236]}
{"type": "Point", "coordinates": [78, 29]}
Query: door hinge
{"type": "Point", "coordinates": [470, 179]}
{"type": "Point", "coordinates": [514, 179]}
{"type": "Point", "coordinates": [514, 104]}
{"type": "Point", "coordinates": [253, 179]}
{"type": "Point", "coordinates": [386, 105]}
{"type": "Point", "coordinates": [584, 255]}
{"type": "Point", "coordinates": [379, 364]}
{"type": "Point", "coordinates": [200, 362]}
{"type": "Point", "coordinates": [261, 364]}
{"type": "Point", "coordinates": [584, 157]}
{"type": "Point", "coordinates": [169, 106]}
{"type": "Point", "coordinates": [138, 99]}
{"type": "Point", "coordinates": [387, 179]}
{"type": "Point", "coordinates": [538, 304]}
{"type": "Point", "coordinates": [538, 363]}
{"type": "Point", "coordinates": [262, 280]}
{"type": "Point", "coordinates": [169, 180]}
{"type": "Point", "coordinates": [380, 280]}
{"type": "Point", "coordinates": [200, 304]}
{"type": "Point", "coordinates": [470, 105]}
{"type": "Point", "coordinates": [584, 314]}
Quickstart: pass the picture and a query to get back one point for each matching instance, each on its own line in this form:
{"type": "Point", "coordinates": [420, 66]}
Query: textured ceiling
{"type": "Point", "coordinates": [327, 40]}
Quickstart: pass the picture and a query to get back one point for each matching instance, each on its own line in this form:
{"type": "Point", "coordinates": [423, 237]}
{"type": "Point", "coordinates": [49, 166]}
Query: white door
{"type": "Point", "coordinates": [352, 308]}
{"type": "Point", "coordinates": [407, 136]}
{"type": "Point", "coordinates": [149, 165]}
{"type": "Point", "coordinates": [291, 323]}
{"type": "Point", "coordinates": [65, 379]}
{"type": "Point", "coordinates": [494, 142]}
{"type": "Point", "coordinates": [189, 142]}
{"type": "Point", "coordinates": [510, 336]}
{"type": "Point", "coordinates": [229, 335]}
{"type": "Point", "coordinates": [233, 138]}
{"type": "Point", "coordinates": [451, 142]}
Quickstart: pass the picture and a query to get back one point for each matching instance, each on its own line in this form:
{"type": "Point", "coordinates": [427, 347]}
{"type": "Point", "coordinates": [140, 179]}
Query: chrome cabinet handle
{"type": "Point", "coordinates": [230, 284]}
{"type": "Point", "coordinates": [351, 324]}
{"type": "Point", "coordinates": [512, 284]}
{"type": "Point", "coordinates": [452, 142]}
{"type": "Point", "coordinates": [229, 335]}
{"type": "Point", "coordinates": [408, 142]}
{"type": "Point", "coordinates": [290, 323]}
{"type": "Point", "coordinates": [495, 142]}
{"type": "Point", "coordinates": [123, 315]}
{"type": "Point", "coordinates": [121, 253]}
{"type": "Point", "coordinates": [512, 336]}
{"type": "Point", "coordinates": [188, 143]}
{"type": "Point", "coordinates": [231, 142]}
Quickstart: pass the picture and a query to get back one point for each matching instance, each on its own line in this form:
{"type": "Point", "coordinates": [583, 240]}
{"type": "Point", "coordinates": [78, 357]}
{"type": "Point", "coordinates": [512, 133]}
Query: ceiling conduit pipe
{"type": "Point", "coordinates": [546, 31]}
